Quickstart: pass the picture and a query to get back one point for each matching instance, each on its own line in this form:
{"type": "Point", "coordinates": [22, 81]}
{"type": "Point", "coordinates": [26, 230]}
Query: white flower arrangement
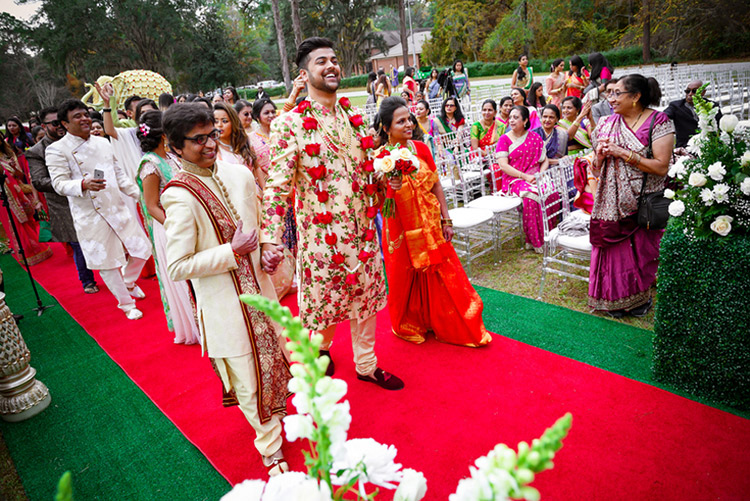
{"type": "Point", "coordinates": [714, 198]}
{"type": "Point", "coordinates": [337, 461]}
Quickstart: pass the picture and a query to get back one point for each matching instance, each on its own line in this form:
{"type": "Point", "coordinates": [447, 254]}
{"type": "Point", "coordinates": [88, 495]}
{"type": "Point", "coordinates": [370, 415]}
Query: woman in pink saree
{"type": "Point", "coordinates": [521, 155]}
{"type": "Point", "coordinates": [624, 256]}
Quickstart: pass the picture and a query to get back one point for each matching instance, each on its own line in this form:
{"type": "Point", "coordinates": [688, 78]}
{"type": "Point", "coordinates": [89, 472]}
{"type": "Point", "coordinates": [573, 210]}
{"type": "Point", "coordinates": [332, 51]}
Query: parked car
{"type": "Point", "coordinates": [267, 84]}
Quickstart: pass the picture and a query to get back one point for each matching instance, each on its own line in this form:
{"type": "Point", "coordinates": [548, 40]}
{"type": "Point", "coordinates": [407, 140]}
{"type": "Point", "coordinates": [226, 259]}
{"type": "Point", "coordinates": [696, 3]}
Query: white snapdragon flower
{"type": "Point", "coordinates": [745, 159]}
{"type": "Point", "coordinates": [329, 392]}
{"type": "Point", "coordinates": [302, 403]}
{"type": "Point", "coordinates": [728, 123]}
{"type": "Point", "coordinates": [669, 193]}
{"type": "Point", "coordinates": [298, 426]}
{"type": "Point", "coordinates": [694, 144]}
{"type": "Point", "coordinates": [721, 192]}
{"type": "Point", "coordinates": [707, 195]}
{"type": "Point", "coordinates": [716, 171]}
{"type": "Point", "coordinates": [676, 208]}
{"type": "Point", "coordinates": [249, 490]}
{"type": "Point", "coordinates": [722, 225]}
{"type": "Point", "coordinates": [296, 486]}
{"type": "Point", "coordinates": [371, 461]}
{"type": "Point", "coordinates": [745, 186]}
{"type": "Point", "coordinates": [413, 486]}
{"type": "Point", "coordinates": [697, 179]}
{"type": "Point", "coordinates": [338, 420]}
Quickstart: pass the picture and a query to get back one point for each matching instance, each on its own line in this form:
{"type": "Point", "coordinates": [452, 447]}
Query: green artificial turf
{"type": "Point", "coordinates": [100, 425]}
{"type": "Point", "coordinates": [603, 343]}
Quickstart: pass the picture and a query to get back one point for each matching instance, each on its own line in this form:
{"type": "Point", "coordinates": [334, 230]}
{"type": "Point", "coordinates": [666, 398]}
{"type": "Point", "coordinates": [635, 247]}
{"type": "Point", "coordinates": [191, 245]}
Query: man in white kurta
{"type": "Point", "coordinates": [211, 225]}
{"type": "Point", "coordinates": [111, 239]}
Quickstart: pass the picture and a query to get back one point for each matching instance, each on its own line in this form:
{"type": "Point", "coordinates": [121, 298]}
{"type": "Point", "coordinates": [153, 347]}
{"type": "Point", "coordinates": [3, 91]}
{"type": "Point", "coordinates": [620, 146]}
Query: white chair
{"type": "Point", "coordinates": [506, 210]}
{"type": "Point", "coordinates": [567, 256]}
{"type": "Point", "coordinates": [473, 235]}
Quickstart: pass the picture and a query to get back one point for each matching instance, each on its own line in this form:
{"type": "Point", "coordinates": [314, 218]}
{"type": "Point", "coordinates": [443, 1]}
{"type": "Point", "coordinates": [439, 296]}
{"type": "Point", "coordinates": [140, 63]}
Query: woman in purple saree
{"type": "Point", "coordinates": [624, 256]}
{"type": "Point", "coordinates": [521, 155]}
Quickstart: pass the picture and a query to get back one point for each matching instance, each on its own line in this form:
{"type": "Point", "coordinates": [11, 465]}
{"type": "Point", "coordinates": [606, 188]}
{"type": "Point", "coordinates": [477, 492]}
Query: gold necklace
{"type": "Point", "coordinates": [632, 127]}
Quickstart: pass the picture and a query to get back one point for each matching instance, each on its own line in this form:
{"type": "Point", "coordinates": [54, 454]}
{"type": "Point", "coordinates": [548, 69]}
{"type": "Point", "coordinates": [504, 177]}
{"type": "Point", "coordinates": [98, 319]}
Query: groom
{"type": "Point", "coordinates": [318, 152]}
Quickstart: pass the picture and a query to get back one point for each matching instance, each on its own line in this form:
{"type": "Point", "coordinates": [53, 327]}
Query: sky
{"type": "Point", "coordinates": [25, 11]}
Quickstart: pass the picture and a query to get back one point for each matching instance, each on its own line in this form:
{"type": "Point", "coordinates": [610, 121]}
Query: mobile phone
{"type": "Point", "coordinates": [98, 174]}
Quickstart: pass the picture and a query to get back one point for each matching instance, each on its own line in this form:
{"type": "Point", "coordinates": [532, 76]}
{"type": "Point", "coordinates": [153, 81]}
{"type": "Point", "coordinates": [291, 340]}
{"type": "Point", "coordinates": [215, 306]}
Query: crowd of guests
{"type": "Point", "coordinates": [231, 197]}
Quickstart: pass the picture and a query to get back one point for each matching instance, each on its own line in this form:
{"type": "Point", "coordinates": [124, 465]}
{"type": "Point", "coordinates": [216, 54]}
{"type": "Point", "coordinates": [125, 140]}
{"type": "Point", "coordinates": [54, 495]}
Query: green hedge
{"type": "Point", "coordinates": [703, 317]}
{"type": "Point", "coordinates": [251, 94]}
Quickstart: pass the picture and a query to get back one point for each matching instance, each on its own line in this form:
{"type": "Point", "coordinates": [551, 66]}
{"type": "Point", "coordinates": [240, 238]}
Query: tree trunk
{"type": "Point", "coordinates": [525, 19]}
{"type": "Point", "coordinates": [404, 42]}
{"type": "Point", "coordinates": [296, 25]}
{"type": "Point", "coordinates": [282, 45]}
{"type": "Point", "coordinates": [646, 32]}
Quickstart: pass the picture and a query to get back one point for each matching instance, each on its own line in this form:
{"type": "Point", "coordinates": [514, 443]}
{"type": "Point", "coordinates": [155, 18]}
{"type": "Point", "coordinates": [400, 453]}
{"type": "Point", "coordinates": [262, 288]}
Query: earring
{"type": "Point", "coordinates": [633, 104]}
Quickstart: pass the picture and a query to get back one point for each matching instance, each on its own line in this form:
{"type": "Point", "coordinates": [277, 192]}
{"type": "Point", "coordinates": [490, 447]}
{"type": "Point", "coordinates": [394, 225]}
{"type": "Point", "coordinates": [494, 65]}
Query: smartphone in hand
{"type": "Point", "coordinates": [98, 174]}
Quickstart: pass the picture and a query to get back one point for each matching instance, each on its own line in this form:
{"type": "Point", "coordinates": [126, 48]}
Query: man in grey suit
{"type": "Point", "coordinates": [603, 108]}
{"type": "Point", "coordinates": [61, 222]}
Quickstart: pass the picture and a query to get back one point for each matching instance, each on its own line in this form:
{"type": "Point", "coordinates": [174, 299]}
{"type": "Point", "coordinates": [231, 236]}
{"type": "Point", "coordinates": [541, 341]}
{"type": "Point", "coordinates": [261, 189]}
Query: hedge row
{"type": "Point", "coordinates": [619, 57]}
{"type": "Point", "coordinates": [702, 316]}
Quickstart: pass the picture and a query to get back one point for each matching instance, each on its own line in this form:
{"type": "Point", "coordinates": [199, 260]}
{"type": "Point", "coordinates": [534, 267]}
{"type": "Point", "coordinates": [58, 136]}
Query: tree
{"type": "Point", "coordinates": [296, 25]}
{"type": "Point", "coordinates": [282, 44]}
{"type": "Point", "coordinates": [646, 11]}
{"type": "Point", "coordinates": [402, 33]}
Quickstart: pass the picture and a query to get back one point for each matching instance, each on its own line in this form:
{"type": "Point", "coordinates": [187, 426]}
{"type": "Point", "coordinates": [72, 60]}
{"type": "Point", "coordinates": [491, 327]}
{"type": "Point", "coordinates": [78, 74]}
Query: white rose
{"type": "Point", "coordinates": [384, 165]}
{"type": "Point", "coordinates": [707, 195]}
{"type": "Point", "coordinates": [716, 171]}
{"type": "Point", "coordinates": [728, 123]}
{"type": "Point", "coordinates": [676, 208]}
{"type": "Point", "coordinates": [722, 225]}
{"type": "Point", "coordinates": [697, 179]}
{"type": "Point", "coordinates": [405, 154]}
{"type": "Point", "coordinates": [249, 490]}
{"type": "Point", "coordinates": [721, 192]}
{"type": "Point", "coordinates": [745, 159]}
{"type": "Point", "coordinates": [745, 186]}
{"type": "Point", "coordinates": [669, 194]}
{"type": "Point", "coordinates": [413, 486]}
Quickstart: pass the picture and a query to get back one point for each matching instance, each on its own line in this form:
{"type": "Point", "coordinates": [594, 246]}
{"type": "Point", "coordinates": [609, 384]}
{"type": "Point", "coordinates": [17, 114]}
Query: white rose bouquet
{"type": "Point", "coordinates": [392, 163]}
{"type": "Point", "coordinates": [714, 200]}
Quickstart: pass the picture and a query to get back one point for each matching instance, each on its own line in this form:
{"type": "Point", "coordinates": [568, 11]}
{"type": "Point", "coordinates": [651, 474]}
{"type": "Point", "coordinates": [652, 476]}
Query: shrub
{"type": "Point", "coordinates": [702, 316]}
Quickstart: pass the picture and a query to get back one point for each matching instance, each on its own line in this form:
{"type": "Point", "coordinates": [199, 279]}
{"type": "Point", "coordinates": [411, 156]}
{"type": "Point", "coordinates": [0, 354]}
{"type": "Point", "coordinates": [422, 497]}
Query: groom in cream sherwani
{"type": "Point", "coordinates": [83, 168]}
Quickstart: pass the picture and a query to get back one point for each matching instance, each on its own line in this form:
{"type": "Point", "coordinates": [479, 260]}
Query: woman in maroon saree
{"type": "Point", "coordinates": [624, 256]}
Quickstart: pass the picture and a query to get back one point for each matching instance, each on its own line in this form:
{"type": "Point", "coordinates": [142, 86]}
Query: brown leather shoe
{"type": "Point", "coordinates": [385, 380]}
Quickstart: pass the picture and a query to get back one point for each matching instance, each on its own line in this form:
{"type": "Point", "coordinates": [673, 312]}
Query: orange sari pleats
{"type": "Point", "coordinates": [428, 288]}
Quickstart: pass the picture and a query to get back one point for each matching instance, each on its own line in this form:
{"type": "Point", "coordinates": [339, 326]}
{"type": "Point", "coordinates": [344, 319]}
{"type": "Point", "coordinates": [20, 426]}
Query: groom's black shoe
{"type": "Point", "coordinates": [331, 367]}
{"type": "Point", "coordinates": [383, 379]}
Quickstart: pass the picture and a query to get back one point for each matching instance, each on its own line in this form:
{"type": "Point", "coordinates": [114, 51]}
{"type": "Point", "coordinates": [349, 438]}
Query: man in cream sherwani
{"type": "Point", "coordinates": [212, 240]}
{"type": "Point", "coordinates": [112, 241]}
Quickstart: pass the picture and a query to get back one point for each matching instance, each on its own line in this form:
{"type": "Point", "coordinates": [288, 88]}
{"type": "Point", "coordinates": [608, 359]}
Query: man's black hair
{"type": "Point", "coordinates": [69, 105]}
{"type": "Point", "coordinates": [129, 101]}
{"type": "Point", "coordinates": [307, 46]}
{"type": "Point", "coordinates": [46, 111]}
{"type": "Point", "coordinates": [179, 119]}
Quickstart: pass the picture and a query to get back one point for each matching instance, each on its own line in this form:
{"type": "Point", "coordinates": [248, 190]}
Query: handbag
{"type": "Point", "coordinates": [653, 208]}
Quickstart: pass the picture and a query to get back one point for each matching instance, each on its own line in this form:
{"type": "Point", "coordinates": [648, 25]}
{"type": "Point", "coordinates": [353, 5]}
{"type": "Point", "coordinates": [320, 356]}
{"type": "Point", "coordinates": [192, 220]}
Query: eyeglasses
{"type": "Point", "coordinates": [53, 123]}
{"type": "Point", "coordinates": [202, 139]}
{"type": "Point", "coordinates": [450, 105]}
{"type": "Point", "coordinates": [691, 91]}
{"type": "Point", "coordinates": [618, 93]}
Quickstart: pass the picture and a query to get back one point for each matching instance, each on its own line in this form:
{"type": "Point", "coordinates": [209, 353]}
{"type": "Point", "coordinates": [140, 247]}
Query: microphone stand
{"type": "Point", "coordinates": [4, 196]}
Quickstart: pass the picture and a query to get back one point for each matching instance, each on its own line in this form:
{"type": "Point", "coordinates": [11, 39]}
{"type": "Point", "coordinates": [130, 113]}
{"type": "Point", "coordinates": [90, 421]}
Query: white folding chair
{"type": "Point", "coordinates": [564, 255]}
{"type": "Point", "coordinates": [473, 235]}
{"type": "Point", "coordinates": [506, 210]}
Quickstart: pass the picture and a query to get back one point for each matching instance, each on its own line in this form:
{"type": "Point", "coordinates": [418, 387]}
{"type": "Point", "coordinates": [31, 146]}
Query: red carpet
{"type": "Point", "coordinates": [629, 440]}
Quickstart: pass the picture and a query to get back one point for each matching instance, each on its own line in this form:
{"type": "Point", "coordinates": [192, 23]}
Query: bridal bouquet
{"type": "Point", "coordinates": [714, 201]}
{"type": "Point", "coordinates": [340, 468]}
{"type": "Point", "coordinates": [392, 163]}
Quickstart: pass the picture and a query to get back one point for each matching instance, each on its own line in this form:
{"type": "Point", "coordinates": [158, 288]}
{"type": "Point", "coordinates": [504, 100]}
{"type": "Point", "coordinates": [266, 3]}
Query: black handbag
{"type": "Point", "coordinates": [653, 213]}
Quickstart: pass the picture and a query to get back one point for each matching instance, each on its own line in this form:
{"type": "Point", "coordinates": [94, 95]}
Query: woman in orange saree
{"type": "Point", "coordinates": [428, 288]}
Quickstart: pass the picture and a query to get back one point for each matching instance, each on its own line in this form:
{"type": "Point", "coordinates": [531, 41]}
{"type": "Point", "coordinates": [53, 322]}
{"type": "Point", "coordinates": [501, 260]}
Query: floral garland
{"type": "Point", "coordinates": [319, 175]}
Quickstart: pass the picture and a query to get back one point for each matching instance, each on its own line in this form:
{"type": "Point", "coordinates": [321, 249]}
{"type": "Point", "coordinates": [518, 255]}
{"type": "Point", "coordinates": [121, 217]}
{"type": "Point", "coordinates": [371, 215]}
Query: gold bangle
{"type": "Point", "coordinates": [629, 160]}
